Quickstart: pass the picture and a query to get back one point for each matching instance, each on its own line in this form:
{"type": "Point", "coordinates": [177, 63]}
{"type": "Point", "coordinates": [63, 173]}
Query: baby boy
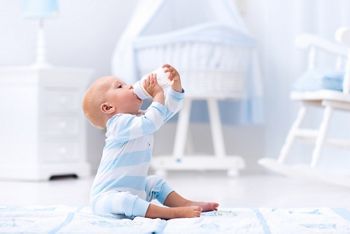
{"type": "Point", "coordinates": [122, 186]}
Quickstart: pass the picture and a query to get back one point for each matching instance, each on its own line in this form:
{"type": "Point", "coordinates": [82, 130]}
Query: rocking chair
{"type": "Point", "coordinates": [329, 91]}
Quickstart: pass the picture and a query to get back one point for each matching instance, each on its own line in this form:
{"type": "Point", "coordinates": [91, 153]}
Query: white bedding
{"type": "Point", "coordinates": [64, 219]}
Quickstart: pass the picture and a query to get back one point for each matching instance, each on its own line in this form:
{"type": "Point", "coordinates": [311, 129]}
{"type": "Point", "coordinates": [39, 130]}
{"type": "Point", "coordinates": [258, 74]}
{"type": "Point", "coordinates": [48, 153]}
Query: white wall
{"type": "Point", "coordinates": [83, 34]}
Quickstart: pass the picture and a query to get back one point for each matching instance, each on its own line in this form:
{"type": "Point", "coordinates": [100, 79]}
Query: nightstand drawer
{"type": "Point", "coordinates": [53, 152]}
{"type": "Point", "coordinates": [61, 100]}
{"type": "Point", "coordinates": [60, 126]}
{"type": "Point", "coordinates": [49, 137]}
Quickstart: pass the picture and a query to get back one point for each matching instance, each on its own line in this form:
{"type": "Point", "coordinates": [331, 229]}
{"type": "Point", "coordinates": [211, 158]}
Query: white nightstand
{"type": "Point", "coordinates": [42, 127]}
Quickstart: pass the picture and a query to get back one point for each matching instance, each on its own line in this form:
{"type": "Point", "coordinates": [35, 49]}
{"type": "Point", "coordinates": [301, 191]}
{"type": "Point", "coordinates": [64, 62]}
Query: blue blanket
{"type": "Point", "coordinates": [317, 79]}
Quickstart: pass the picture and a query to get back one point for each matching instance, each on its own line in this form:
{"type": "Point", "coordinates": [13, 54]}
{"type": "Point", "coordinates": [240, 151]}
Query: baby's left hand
{"type": "Point", "coordinates": [174, 77]}
{"type": "Point", "coordinates": [152, 87]}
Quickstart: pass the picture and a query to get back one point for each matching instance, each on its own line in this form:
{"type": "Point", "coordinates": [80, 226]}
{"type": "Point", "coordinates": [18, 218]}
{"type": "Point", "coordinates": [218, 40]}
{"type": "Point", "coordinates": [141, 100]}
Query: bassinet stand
{"type": "Point", "coordinates": [180, 161]}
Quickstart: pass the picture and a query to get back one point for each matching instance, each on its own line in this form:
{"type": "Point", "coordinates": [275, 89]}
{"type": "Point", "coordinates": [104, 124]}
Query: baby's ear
{"type": "Point", "coordinates": [107, 108]}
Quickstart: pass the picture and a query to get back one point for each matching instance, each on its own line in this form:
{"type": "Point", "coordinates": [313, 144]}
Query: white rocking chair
{"type": "Point", "coordinates": [327, 99]}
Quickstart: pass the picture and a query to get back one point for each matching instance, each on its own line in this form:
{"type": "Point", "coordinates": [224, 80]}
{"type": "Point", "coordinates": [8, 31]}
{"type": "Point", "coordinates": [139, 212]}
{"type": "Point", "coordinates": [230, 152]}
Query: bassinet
{"type": "Point", "coordinates": [213, 59]}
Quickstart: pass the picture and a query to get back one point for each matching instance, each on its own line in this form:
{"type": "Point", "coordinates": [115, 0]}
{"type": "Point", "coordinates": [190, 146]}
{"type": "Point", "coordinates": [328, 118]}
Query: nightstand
{"type": "Point", "coordinates": [42, 127]}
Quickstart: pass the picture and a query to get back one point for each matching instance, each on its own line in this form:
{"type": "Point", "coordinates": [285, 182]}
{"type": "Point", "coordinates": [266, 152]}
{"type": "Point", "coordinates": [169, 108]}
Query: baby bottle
{"type": "Point", "coordinates": [162, 79]}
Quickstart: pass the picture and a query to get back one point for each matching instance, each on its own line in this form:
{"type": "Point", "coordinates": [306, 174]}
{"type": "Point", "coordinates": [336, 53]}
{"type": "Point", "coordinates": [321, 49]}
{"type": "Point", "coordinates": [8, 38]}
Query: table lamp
{"type": "Point", "coordinates": [40, 10]}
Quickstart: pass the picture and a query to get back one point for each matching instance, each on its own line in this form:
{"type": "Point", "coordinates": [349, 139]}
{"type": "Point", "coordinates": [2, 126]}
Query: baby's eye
{"type": "Point", "coordinates": [119, 86]}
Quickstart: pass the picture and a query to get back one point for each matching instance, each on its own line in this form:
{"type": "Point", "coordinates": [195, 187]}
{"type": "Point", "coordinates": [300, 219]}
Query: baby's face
{"type": "Point", "coordinates": [122, 96]}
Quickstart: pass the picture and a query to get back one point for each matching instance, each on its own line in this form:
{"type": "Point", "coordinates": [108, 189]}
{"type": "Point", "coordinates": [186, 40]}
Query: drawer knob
{"type": "Point", "coordinates": [63, 150]}
{"type": "Point", "coordinates": [62, 124]}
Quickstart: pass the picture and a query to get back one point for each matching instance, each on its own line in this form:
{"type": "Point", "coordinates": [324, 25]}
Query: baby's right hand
{"type": "Point", "coordinates": [153, 88]}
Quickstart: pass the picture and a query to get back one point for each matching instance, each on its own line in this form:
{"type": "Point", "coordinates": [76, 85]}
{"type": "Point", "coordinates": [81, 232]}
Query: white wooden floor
{"type": "Point", "coordinates": [244, 191]}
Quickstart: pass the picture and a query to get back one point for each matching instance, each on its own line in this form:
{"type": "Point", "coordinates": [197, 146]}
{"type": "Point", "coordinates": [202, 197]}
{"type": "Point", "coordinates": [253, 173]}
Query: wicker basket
{"type": "Point", "coordinates": [209, 66]}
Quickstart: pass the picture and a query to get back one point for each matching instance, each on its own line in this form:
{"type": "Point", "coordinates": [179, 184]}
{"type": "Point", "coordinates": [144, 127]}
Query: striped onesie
{"type": "Point", "coordinates": [121, 187]}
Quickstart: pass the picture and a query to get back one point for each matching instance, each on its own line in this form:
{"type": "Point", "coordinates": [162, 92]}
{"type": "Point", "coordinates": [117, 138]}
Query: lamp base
{"type": "Point", "coordinates": [41, 47]}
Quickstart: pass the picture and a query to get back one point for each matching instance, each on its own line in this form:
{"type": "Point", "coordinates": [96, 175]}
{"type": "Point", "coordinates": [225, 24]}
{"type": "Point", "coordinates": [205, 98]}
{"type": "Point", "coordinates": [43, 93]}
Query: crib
{"type": "Point", "coordinates": [214, 61]}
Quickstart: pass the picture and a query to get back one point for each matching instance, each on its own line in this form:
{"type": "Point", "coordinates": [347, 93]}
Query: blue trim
{"type": "Point", "coordinates": [262, 221]}
{"type": "Point", "coordinates": [342, 212]}
{"type": "Point", "coordinates": [68, 219]}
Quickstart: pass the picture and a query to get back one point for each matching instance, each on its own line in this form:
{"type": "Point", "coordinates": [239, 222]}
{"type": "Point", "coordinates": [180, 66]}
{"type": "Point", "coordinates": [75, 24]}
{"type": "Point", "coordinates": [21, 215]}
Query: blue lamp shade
{"type": "Point", "coordinates": [39, 8]}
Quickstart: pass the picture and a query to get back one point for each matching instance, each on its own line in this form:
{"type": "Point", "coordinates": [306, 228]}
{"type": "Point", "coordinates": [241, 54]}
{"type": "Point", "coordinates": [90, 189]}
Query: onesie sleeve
{"type": "Point", "coordinates": [125, 127]}
{"type": "Point", "coordinates": [173, 102]}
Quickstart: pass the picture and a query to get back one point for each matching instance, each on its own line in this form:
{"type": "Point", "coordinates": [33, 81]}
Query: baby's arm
{"type": "Point", "coordinates": [174, 77]}
{"type": "Point", "coordinates": [175, 95]}
{"type": "Point", "coordinates": [127, 127]}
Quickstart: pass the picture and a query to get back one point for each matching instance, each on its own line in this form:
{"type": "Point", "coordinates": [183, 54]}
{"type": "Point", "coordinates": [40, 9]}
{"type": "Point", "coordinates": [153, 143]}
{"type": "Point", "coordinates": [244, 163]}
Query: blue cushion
{"type": "Point", "coordinates": [313, 80]}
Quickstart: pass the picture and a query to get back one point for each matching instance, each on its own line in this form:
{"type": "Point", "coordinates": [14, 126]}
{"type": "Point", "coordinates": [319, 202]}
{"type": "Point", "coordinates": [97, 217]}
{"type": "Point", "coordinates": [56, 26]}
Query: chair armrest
{"type": "Point", "coordinates": [342, 35]}
{"type": "Point", "coordinates": [305, 41]}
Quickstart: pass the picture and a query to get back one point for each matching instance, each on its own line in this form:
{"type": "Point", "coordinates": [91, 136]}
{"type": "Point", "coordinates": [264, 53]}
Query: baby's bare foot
{"type": "Point", "coordinates": [187, 211]}
{"type": "Point", "coordinates": [206, 206]}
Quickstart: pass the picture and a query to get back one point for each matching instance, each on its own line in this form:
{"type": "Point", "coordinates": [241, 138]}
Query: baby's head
{"type": "Point", "coordinates": [106, 97]}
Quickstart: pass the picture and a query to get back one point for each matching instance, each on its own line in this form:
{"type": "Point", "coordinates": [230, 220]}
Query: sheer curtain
{"type": "Point", "coordinates": [275, 24]}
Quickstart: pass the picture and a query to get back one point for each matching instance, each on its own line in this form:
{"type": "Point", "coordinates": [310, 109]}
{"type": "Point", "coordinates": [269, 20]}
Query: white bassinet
{"type": "Point", "coordinates": [213, 59]}
{"type": "Point", "coordinates": [208, 43]}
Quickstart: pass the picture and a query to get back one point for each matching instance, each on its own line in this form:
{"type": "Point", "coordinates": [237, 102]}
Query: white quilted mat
{"type": "Point", "coordinates": [64, 219]}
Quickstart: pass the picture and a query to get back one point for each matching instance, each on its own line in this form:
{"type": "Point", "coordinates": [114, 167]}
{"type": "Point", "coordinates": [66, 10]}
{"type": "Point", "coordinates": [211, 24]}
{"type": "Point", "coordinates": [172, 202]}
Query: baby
{"type": "Point", "coordinates": [122, 186]}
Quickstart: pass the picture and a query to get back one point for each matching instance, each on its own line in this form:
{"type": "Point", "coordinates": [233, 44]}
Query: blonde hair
{"type": "Point", "coordinates": [92, 100]}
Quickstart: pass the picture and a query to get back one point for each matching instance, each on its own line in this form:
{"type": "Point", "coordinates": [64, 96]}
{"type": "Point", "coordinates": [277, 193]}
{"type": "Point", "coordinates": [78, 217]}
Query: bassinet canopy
{"type": "Point", "coordinates": [207, 41]}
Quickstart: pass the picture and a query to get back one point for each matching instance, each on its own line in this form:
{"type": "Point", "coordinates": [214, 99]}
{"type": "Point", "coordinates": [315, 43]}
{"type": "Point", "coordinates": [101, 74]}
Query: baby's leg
{"type": "Point", "coordinates": [120, 204]}
{"type": "Point", "coordinates": [175, 200]}
{"type": "Point", "coordinates": [155, 211]}
{"type": "Point", "coordinates": [124, 204]}
{"type": "Point", "coordinates": [157, 188]}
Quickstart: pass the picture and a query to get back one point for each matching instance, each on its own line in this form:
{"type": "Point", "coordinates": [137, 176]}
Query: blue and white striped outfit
{"type": "Point", "coordinates": [121, 186]}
